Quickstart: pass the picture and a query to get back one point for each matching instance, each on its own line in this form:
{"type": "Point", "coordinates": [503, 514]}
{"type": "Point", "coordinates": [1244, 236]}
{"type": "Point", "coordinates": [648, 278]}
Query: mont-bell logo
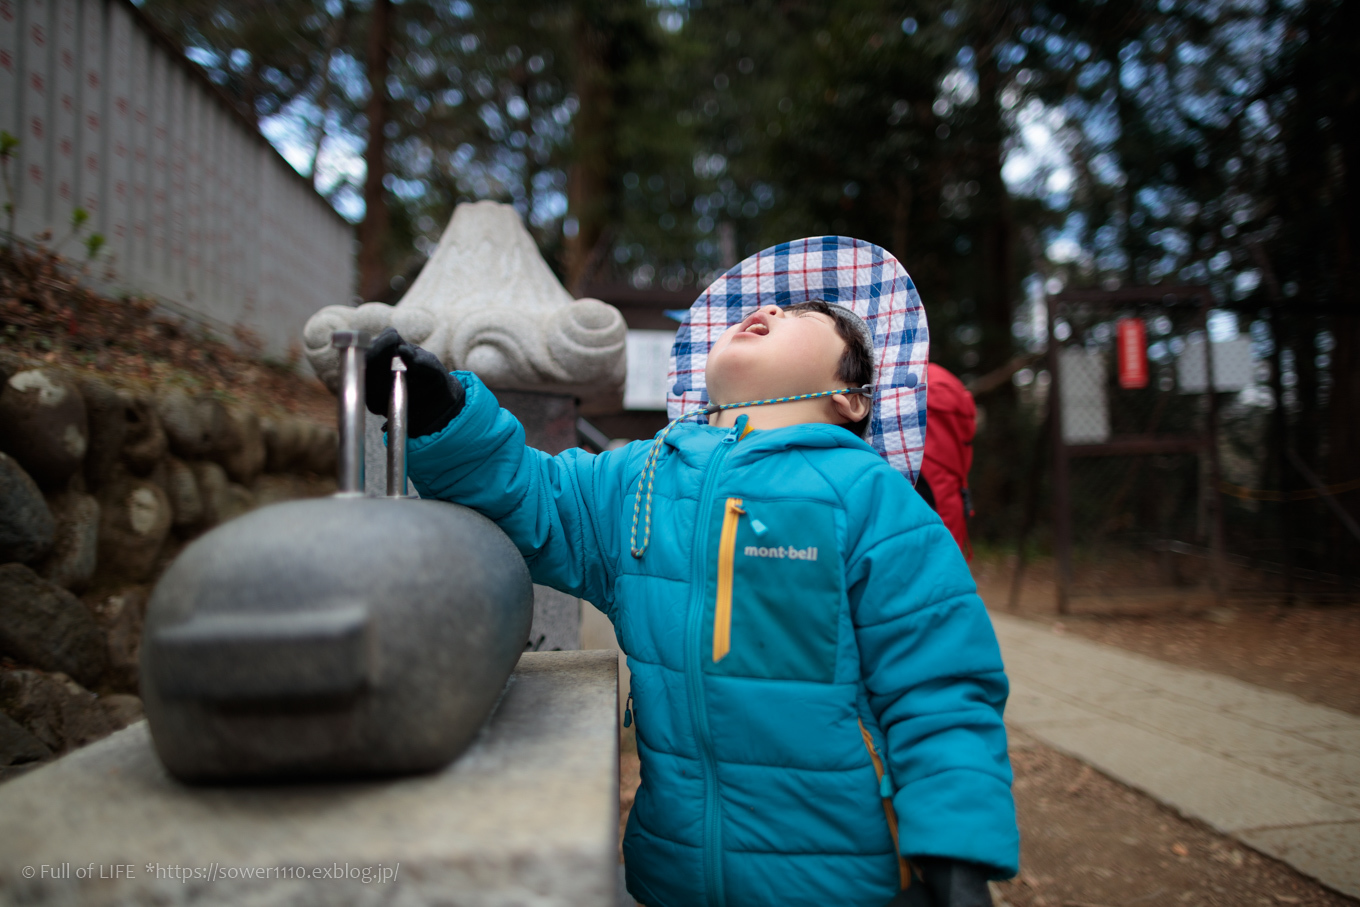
{"type": "Point", "coordinates": [782, 552]}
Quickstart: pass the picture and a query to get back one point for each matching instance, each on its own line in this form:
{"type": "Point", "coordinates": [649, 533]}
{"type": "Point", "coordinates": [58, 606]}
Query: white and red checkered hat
{"type": "Point", "coordinates": [848, 272]}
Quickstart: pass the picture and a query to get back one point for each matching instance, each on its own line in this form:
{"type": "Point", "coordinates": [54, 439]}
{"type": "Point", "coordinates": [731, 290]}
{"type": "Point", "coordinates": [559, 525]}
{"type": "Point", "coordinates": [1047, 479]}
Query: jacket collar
{"type": "Point", "coordinates": [694, 441]}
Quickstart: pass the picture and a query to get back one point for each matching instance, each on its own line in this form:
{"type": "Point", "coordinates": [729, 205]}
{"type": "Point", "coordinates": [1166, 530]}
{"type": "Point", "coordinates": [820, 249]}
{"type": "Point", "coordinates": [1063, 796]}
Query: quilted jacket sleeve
{"type": "Point", "coordinates": [550, 507]}
{"type": "Point", "coordinates": [933, 670]}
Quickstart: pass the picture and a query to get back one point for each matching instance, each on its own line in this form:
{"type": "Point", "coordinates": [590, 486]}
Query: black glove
{"type": "Point", "coordinates": [434, 396]}
{"type": "Point", "coordinates": [946, 883]}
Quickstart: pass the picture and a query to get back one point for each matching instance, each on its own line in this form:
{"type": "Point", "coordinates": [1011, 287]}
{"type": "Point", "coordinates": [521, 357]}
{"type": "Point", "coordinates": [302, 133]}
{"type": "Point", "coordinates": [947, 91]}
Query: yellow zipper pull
{"type": "Point", "coordinates": [727, 551]}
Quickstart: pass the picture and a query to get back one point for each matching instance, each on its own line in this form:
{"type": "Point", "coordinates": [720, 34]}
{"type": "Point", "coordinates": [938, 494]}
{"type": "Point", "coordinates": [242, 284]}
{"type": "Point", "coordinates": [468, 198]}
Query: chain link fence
{"type": "Point", "coordinates": [1165, 442]}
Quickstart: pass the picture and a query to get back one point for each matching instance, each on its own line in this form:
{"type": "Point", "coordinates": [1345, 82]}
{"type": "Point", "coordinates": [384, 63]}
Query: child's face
{"type": "Point", "coordinates": [772, 353]}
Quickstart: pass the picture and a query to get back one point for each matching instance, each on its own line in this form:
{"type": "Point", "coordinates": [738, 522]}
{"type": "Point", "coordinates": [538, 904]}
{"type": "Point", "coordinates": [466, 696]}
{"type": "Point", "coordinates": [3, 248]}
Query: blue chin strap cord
{"type": "Point", "coordinates": [649, 467]}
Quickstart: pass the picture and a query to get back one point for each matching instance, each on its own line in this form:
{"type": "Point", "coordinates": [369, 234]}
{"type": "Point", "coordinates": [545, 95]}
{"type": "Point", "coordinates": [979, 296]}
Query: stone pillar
{"type": "Point", "coordinates": [528, 815]}
{"type": "Point", "coordinates": [549, 420]}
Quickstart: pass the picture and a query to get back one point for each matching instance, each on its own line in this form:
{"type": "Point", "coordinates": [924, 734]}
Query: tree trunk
{"type": "Point", "coordinates": [588, 179]}
{"type": "Point", "coordinates": [373, 228]}
{"type": "Point", "coordinates": [997, 232]}
{"type": "Point", "coordinates": [901, 218]}
{"type": "Point", "coordinates": [998, 267]}
{"type": "Point", "coordinates": [1343, 403]}
{"type": "Point", "coordinates": [1344, 400]}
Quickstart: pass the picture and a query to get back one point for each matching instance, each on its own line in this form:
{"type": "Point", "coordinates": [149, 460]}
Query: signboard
{"type": "Point", "coordinates": [1132, 345]}
{"type": "Point", "coordinates": [649, 354]}
{"type": "Point", "coordinates": [1085, 408]}
{"type": "Point", "coordinates": [1232, 365]}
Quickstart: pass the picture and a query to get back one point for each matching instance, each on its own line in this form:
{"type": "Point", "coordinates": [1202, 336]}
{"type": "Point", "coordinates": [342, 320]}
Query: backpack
{"type": "Point", "coordinates": [951, 422]}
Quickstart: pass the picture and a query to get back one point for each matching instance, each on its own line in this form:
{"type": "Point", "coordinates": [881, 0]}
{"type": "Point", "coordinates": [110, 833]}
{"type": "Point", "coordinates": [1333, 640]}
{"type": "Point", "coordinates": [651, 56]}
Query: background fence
{"type": "Point", "coordinates": [197, 208]}
{"type": "Point", "coordinates": [1166, 439]}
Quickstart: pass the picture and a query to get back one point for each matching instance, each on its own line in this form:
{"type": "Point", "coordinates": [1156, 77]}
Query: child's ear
{"type": "Point", "coordinates": [852, 407]}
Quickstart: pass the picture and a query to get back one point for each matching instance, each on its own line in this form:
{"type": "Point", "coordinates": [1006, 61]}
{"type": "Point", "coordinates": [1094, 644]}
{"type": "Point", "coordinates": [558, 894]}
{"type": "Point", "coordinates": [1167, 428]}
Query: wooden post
{"type": "Point", "coordinates": [1062, 512]}
{"type": "Point", "coordinates": [1031, 515]}
{"type": "Point", "coordinates": [1217, 540]}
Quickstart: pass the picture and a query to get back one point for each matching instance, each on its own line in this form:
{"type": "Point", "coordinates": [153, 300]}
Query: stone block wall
{"type": "Point", "coordinates": [99, 489]}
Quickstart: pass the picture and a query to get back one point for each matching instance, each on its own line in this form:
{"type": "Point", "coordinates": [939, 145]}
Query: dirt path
{"type": "Point", "coordinates": [1309, 650]}
{"type": "Point", "coordinates": [1088, 841]}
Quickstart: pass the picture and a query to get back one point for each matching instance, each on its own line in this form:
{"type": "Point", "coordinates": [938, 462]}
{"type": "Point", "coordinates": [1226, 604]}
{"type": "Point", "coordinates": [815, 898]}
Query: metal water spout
{"type": "Point", "coordinates": [397, 429]}
{"type": "Point", "coordinates": [344, 636]}
{"type": "Point", "coordinates": [350, 418]}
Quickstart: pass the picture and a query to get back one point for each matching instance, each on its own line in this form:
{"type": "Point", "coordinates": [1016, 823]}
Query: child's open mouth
{"type": "Point", "coordinates": [757, 325]}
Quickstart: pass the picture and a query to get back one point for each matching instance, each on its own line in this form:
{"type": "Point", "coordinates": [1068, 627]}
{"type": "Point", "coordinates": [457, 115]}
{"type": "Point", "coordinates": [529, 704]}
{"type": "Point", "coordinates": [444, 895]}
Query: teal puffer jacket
{"type": "Point", "coordinates": [813, 673]}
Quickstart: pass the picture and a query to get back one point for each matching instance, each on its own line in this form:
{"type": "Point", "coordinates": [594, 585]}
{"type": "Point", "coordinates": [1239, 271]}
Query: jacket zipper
{"type": "Point", "coordinates": [713, 881]}
{"type": "Point", "coordinates": [722, 608]}
{"type": "Point", "coordinates": [885, 791]}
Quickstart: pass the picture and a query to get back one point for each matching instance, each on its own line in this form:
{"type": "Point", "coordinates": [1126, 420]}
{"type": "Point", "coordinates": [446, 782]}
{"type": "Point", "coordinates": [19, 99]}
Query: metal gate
{"type": "Point", "coordinates": [1163, 437]}
{"type": "Point", "coordinates": [1134, 439]}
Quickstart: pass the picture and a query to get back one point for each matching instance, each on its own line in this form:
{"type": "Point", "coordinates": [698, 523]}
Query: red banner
{"type": "Point", "coordinates": [1133, 364]}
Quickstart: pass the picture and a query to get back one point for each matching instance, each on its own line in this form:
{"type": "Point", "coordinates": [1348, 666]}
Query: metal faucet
{"type": "Point", "coordinates": [396, 432]}
{"type": "Point", "coordinates": [352, 413]}
{"type": "Point", "coordinates": [350, 417]}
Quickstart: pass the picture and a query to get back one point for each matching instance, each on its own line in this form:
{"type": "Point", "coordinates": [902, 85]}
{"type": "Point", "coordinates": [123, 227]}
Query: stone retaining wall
{"type": "Point", "coordinates": [99, 489]}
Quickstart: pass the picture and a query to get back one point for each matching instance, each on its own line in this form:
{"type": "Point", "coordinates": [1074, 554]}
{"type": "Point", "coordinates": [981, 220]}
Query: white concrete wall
{"type": "Point", "coordinates": [198, 209]}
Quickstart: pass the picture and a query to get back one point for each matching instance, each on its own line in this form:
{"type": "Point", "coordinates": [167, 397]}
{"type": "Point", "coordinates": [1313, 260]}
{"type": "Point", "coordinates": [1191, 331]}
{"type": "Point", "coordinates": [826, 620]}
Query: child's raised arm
{"type": "Point", "coordinates": [547, 505]}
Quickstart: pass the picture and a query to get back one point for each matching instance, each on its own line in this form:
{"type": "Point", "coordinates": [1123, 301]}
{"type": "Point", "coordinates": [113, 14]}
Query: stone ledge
{"type": "Point", "coordinates": [528, 815]}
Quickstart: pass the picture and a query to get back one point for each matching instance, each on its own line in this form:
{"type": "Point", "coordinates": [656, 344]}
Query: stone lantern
{"type": "Point", "coordinates": [487, 302]}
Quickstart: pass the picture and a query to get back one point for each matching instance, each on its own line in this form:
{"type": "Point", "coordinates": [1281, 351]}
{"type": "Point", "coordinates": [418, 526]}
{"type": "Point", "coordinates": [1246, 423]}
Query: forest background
{"type": "Point", "coordinates": [1004, 150]}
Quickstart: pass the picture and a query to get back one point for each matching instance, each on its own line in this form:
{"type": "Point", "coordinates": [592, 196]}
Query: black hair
{"type": "Point", "coordinates": [856, 365]}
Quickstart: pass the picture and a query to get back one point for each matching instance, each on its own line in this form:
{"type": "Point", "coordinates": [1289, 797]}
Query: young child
{"type": "Point", "coordinates": [817, 687]}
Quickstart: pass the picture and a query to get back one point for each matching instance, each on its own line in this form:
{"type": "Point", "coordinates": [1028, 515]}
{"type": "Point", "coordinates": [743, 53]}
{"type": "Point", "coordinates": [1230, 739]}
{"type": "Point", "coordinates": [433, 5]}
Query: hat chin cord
{"type": "Point", "coordinates": [653, 456]}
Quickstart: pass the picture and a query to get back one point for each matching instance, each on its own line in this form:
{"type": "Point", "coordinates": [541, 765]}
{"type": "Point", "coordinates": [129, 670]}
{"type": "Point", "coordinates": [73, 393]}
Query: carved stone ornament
{"type": "Point", "coordinates": [487, 302]}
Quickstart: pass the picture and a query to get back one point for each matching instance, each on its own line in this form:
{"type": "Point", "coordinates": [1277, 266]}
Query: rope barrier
{"type": "Point", "coordinates": [1281, 497]}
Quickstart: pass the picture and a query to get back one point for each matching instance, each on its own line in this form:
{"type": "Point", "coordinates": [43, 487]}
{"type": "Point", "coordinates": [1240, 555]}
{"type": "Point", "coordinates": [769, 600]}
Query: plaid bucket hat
{"type": "Point", "coordinates": [847, 272]}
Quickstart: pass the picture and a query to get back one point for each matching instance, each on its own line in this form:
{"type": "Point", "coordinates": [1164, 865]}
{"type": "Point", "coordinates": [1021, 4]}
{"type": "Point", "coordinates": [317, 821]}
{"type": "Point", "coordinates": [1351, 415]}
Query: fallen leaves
{"type": "Point", "coordinates": [1074, 789]}
{"type": "Point", "coordinates": [47, 315]}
